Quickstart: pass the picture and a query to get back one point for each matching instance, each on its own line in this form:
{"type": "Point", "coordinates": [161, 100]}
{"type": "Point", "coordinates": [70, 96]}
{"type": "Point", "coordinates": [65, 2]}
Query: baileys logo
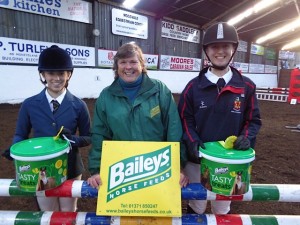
{"type": "Point", "coordinates": [139, 172]}
{"type": "Point", "coordinates": [24, 168]}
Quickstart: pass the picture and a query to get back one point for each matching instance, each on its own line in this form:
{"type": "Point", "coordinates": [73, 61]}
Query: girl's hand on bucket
{"type": "Point", "coordinates": [241, 143]}
{"type": "Point", "coordinates": [94, 181]}
{"type": "Point", "coordinates": [193, 151]}
{"type": "Point", "coordinates": [65, 134]}
{"type": "Point", "coordinates": [6, 154]}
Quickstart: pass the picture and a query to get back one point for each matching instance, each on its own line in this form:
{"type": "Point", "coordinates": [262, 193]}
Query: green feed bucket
{"type": "Point", "coordinates": [41, 163]}
{"type": "Point", "coordinates": [225, 171]}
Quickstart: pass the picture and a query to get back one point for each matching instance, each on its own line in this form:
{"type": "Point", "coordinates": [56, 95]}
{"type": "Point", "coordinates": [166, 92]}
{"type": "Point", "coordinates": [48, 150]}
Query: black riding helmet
{"type": "Point", "coordinates": [55, 59]}
{"type": "Point", "coordinates": [220, 32]}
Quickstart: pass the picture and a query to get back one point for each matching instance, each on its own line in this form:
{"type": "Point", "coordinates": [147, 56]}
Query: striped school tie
{"type": "Point", "coordinates": [56, 105]}
{"type": "Point", "coordinates": [221, 83]}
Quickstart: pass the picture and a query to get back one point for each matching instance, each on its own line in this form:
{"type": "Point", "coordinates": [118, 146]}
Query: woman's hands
{"type": "Point", "coordinates": [184, 180]}
{"type": "Point", "coordinates": [94, 181]}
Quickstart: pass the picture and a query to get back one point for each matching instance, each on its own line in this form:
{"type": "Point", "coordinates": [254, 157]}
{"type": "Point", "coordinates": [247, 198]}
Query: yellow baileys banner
{"type": "Point", "coordinates": [140, 179]}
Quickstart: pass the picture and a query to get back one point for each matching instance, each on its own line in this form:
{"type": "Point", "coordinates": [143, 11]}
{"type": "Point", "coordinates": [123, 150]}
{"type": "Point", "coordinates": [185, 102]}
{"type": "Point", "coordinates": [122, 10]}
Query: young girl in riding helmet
{"type": "Point", "coordinates": [216, 104]}
{"type": "Point", "coordinates": [40, 117]}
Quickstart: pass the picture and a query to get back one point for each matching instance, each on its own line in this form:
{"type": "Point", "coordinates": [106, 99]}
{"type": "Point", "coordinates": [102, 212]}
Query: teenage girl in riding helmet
{"type": "Point", "coordinates": [37, 118]}
{"type": "Point", "coordinates": [212, 110]}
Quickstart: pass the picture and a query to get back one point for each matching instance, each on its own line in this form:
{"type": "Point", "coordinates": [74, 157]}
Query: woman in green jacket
{"type": "Point", "coordinates": [133, 108]}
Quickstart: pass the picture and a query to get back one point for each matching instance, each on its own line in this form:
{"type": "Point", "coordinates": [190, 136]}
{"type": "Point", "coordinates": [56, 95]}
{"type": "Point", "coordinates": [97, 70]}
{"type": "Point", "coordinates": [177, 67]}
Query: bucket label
{"type": "Point", "coordinates": [35, 176]}
{"type": "Point", "coordinates": [225, 179]}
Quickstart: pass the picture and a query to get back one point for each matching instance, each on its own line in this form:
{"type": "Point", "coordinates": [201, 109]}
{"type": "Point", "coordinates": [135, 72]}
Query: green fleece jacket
{"type": "Point", "coordinates": [153, 116]}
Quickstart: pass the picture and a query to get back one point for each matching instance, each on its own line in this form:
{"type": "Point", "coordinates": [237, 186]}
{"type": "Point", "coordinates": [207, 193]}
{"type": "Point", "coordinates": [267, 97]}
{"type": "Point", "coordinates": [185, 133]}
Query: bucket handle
{"type": "Point", "coordinates": [69, 142]}
{"type": "Point", "coordinates": [64, 136]}
{"type": "Point", "coordinates": [57, 135]}
{"type": "Point", "coordinates": [200, 155]}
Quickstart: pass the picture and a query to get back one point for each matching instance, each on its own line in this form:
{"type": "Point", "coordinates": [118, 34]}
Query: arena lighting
{"type": "Point", "coordinates": [284, 29]}
{"type": "Point", "coordinates": [130, 3]}
{"type": "Point", "coordinates": [292, 44]}
{"type": "Point", "coordinates": [256, 8]}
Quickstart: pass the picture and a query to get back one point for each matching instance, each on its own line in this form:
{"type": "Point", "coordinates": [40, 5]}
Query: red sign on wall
{"type": "Point", "coordinates": [294, 92]}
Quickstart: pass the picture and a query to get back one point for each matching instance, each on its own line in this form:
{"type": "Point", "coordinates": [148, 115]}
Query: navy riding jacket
{"type": "Point", "coordinates": [208, 115]}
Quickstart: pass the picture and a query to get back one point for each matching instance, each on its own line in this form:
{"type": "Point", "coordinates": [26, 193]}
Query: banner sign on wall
{"type": "Point", "coordinates": [256, 68]}
{"type": "Point", "coordinates": [271, 69]}
{"type": "Point", "coordinates": [106, 59]}
{"type": "Point", "coordinates": [129, 169]}
{"type": "Point", "coordinates": [257, 49]}
{"type": "Point", "coordinates": [286, 55]}
{"type": "Point", "coordinates": [168, 62]}
{"type": "Point", "coordinates": [129, 24]}
{"type": "Point", "coordinates": [179, 32]}
{"type": "Point", "coordinates": [76, 10]}
{"type": "Point", "coordinates": [27, 52]}
{"type": "Point", "coordinates": [270, 53]}
{"type": "Point", "coordinates": [243, 46]}
{"type": "Point", "coordinates": [243, 67]}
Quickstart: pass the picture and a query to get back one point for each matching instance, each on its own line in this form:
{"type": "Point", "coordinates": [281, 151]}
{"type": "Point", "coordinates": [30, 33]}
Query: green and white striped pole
{"type": "Point", "coordinates": [82, 218]}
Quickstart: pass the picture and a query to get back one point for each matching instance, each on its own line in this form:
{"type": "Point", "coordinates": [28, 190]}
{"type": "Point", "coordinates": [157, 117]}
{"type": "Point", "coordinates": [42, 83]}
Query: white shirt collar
{"type": "Point", "coordinates": [59, 98]}
{"type": "Point", "coordinates": [214, 78]}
